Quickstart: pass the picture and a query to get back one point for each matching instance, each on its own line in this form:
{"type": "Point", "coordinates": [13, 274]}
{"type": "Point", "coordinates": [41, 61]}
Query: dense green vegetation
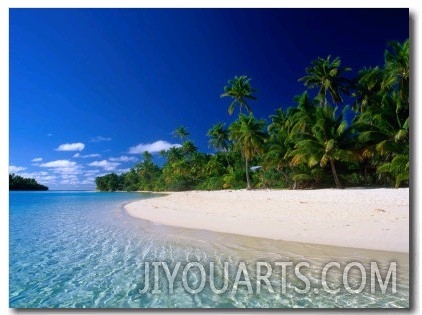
{"type": "Point", "coordinates": [308, 145]}
{"type": "Point", "coordinates": [17, 182]}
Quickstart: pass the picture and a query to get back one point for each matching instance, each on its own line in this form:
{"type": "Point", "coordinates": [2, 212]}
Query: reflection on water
{"type": "Point", "coordinates": [74, 250]}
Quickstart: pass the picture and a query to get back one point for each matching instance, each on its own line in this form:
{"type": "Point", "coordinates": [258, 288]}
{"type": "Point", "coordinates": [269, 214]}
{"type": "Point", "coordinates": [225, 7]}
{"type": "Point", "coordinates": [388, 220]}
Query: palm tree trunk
{"type": "Point", "coordinates": [333, 169]}
{"type": "Point", "coordinates": [365, 175]}
{"type": "Point", "coordinates": [248, 182]}
{"type": "Point", "coordinates": [226, 152]}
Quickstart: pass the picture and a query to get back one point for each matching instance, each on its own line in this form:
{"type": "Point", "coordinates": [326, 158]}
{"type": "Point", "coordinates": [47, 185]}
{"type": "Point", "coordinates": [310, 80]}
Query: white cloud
{"type": "Point", "coordinates": [63, 167]}
{"type": "Point", "coordinates": [36, 160]}
{"type": "Point", "coordinates": [59, 164]}
{"type": "Point", "coordinates": [106, 165]}
{"type": "Point", "coordinates": [78, 155]}
{"type": "Point", "coordinates": [41, 177]}
{"type": "Point", "coordinates": [122, 170]}
{"type": "Point", "coordinates": [16, 169]}
{"type": "Point", "coordinates": [88, 181]}
{"type": "Point", "coordinates": [157, 146]}
{"type": "Point", "coordinates": [46, 179]}
{"type": "Point", "coordinates": [123, 158]}
{"type": "Point", "coordinates": [34, 174]}
{"type": "Point", "coordinates": [69, 180]}
{"type": "Point", "coordinates": [67, 172]}
{"type": "Point", "coordinates": [90, 173]}
{"type": "Point", "coordinates": [70, 177]}
{"type": "Point", "coordinates": [100, 138]}
{"type": "Point", "coordinates": [71, 147]}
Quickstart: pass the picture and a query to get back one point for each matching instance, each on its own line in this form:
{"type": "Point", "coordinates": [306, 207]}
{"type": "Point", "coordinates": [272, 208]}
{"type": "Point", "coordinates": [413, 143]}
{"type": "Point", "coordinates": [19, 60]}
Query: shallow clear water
{"type": "Point", "coordinates": [81, 250]}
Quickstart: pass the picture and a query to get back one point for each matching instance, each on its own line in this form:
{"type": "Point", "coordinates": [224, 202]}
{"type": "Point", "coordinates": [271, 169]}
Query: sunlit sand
{"type": "Point", "coordinates": [360, 218]}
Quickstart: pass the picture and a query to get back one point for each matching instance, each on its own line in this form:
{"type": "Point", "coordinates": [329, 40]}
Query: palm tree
{"type": "Point", "coordinates": [327, 76]}
{"type": "Point", "coordinates": [302, 117]}
{"type": "Point", "coordinates": [219, 137]}
{"type": "Point", "coordinates": [384, 137]}
{"type": "Point", "coordinates": [172, 154]}
{"type": "Point", "coordinates": [398, 168]}
{"type": "Point", "coordinates": [181, 132]}
{"type": "Point", "coordinates": [278, 122]}
{"type": "Point", "coordinates": [295, 126]}
{"type": "Point", "coordinates": [215, 166]}
{"type": "Point", "coordinates": [188, 148]}
{"type": "Point", "coordinates": [383, 127]}
{"type": "Point", "coordinates": [367, 88]}
{"type": "Point", "coordinates": [147, 171]}
{"type": "Point", "coordinates": [240, 90]}
{"type": "Point", "coordinates": [248, 136]}
{"type": "Point", "coordinates": [330, 141]}
{"type": "Point", "coordinates": [397, 68]}
{"type": "Point", "coordinates": [278, 144]}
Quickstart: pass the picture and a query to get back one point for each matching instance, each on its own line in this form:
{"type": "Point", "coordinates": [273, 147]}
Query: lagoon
{"type": "Point", "coordinates": [72, 249]}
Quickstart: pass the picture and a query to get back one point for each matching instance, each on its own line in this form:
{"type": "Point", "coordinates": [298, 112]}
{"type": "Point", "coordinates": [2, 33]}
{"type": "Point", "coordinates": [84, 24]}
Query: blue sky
{"type": "Point", "coordinates": [92, 88]}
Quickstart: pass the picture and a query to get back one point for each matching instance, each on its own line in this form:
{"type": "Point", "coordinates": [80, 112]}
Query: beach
{"type": "Point", "coordinates": [376, 219]}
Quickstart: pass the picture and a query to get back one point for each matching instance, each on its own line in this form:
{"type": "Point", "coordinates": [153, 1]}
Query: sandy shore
{"type": "Point", "coordinates": [359, 218]}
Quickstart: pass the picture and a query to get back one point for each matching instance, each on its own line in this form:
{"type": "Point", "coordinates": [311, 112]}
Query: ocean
{"type": "Point", "coordinates": [73, 249]}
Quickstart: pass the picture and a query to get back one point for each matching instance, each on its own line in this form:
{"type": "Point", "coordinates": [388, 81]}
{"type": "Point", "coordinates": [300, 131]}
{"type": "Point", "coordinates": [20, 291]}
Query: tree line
{"type": "Point", "coordinates": [309, 145]}
{"type": "Point", "coordinates": [17, 182]}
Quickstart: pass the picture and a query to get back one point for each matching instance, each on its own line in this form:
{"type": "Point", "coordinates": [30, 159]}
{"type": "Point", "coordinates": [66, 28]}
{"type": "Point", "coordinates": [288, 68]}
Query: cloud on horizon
{"type": "Point", "coordinates": [154, 147]}
{"type": "Point", "coordinates": [106, 165]}
{"type": "Point", "coordinates": [79, 146]}
{"type": "Point", "coordinates": [64, 172]}
{"type": "Point", "coordinates": [41, 177]}
{"type": "Point", "coordinates": [16, 169]}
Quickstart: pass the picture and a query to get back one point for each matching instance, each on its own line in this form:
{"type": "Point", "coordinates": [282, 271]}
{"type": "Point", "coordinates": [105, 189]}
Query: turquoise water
{"type": "Point", "coordinates": [81, 250]}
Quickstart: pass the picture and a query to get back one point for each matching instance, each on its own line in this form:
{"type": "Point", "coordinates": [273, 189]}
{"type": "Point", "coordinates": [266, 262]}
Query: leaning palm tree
{"type": "Point", "coordinates": [181, 132]}
{"type": "Point", "coordinates": [240, 90]}
{"type": "Point", "coordinates": [249, 137]}
{"type": "Point", "coordinates": [327, 76]}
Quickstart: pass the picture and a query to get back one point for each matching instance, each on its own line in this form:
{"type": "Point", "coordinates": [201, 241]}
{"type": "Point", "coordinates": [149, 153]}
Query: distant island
{"type": "Point", "coordinates": [17, 182]}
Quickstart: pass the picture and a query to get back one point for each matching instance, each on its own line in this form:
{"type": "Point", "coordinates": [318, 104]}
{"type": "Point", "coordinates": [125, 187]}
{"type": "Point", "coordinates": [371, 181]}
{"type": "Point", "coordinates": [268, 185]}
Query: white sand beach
{"type": "Point", "coordinates": [360, 218]}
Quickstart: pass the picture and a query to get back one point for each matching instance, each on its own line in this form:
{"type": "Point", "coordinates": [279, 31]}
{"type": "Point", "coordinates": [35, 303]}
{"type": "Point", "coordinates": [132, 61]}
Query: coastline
{"type": "Point", "coordinates": [374, 219]}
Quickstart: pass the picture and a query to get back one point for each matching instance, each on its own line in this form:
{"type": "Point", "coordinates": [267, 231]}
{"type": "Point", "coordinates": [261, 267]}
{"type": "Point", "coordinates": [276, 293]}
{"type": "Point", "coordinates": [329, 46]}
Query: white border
{"type": "Point", "coordinates": [4, 101]}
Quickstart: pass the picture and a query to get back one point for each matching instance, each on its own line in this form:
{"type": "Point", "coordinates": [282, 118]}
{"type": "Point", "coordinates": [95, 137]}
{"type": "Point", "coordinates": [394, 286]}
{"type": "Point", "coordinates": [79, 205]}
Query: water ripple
{"type": "Point", "coordinates": [81, 250]}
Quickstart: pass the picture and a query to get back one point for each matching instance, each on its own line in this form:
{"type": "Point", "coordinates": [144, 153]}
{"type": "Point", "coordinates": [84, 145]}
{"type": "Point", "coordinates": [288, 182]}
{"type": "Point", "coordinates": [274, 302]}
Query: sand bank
{"type": "Point", "coordinates": [359, 218]}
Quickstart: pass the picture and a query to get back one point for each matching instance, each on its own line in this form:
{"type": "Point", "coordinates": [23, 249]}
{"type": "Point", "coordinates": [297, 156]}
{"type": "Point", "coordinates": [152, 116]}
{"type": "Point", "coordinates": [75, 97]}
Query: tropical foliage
{"type": "Point", "coordinates": [17, 182]}
{"type": "Point", "coordinates": [317, 142]}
